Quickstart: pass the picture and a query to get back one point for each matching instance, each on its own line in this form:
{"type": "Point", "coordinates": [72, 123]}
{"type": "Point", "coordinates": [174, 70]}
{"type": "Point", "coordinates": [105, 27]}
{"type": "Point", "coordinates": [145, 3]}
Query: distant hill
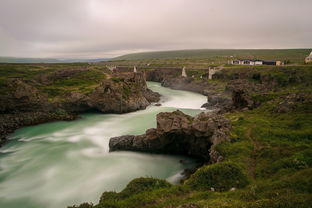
{"type": "Point", "coordinates": [42, 60]}
{"type": "Point", "coordinates": [294, 55]}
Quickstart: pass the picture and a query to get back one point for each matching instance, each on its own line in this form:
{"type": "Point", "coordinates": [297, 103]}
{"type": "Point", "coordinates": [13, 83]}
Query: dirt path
{"type": "Point", "coordinates": [255, 152]}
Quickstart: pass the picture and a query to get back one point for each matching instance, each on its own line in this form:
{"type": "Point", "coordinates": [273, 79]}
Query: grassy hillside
{"type": "Point", "coordinates": [44, 60]}
{"type": "Point", "coordinates": [53, 79]}
{"type": "Point", "coordinates": [294, 55]}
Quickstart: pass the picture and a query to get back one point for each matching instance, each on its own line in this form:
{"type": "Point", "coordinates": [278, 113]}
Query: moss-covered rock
{"type": "Point", "coordinates": [220, 177]}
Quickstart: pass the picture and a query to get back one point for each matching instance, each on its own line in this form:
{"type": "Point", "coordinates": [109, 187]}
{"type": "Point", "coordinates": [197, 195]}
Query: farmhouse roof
{"type": "Point", "coordinates": [249, 60]}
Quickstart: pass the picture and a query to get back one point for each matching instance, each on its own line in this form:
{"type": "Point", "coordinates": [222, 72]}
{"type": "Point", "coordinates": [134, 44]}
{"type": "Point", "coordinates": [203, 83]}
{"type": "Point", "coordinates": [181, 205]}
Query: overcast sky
{"type": "Point", "coordinates": [107, 28]}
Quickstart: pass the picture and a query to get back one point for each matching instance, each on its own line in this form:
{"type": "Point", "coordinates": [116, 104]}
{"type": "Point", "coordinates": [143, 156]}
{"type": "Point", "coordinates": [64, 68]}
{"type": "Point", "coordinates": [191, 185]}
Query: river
{"type": "Point", "coordinates": [57, 164]}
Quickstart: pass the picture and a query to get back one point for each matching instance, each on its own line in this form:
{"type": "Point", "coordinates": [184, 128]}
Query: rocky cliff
{"type": "Point", "coordinates": [45, 94]}
{"type": "Point", "coordinates": [124, 93]}
{"type": "Point", "coordinates": [178, 133]}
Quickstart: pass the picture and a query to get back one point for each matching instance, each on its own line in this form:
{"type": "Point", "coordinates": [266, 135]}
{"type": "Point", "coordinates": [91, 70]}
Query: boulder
{"type": "Point", "coordinates": [151, 96]}
{"type": "Point", "coordinates": [218, 102]}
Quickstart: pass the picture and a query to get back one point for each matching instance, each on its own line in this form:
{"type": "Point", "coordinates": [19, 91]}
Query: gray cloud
{"type": "Point", "coordinates": [106, 28]}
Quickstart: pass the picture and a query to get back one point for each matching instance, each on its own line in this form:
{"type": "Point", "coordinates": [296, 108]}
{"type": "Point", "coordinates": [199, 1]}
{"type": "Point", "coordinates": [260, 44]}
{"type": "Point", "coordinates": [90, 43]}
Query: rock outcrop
{"type": "Point", "coordinates": [294, 101]}
{"type": "Point", "coordinates": [127, 93]}
{"type": "Point", "coordinates": [19, 96]}
{"type": "Point", "coordinates": [24, 103]}
{"type": "Point", "coordinates": [178, 133]}
{"type": "Point", "coordinates": [217, 102]}
{"type": "Point", "coordinates": [242, 91]}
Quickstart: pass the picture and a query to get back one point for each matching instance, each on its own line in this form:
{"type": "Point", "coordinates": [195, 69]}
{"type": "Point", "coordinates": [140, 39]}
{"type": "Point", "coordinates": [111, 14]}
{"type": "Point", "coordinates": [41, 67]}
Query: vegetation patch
{"type": "Point", "coordinates": [126, 90]}
{"type": "Point", "coordinates": [54, 79]}
{"type": "Point", "coordinates": [219, 177]}
{"type": "Point", "coordinates": [116, 79]}
{"type": "Point", "coordinates": [140, 185]}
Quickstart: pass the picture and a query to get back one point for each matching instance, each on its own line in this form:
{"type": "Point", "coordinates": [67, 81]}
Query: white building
{"type": "Point", "coordinates": [254, 62]}
{"type": "Point", "coordinates": [247, 62]}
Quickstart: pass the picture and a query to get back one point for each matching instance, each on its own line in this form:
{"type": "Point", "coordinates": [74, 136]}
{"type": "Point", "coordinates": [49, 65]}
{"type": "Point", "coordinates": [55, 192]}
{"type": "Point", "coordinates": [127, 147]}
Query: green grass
{"type": "Point", "coordinates": [116, 79]}
{"type": "Point", "coordinates": [25, 72]}
{"type": "Point", "coordinates": [44, 60]}
{"type": "Point", "coordinates": [196, 74]}
{"type": "Point", "coordinates": [79, 80]}
{"type": "Point", "coordinates": [222, 55]}
{"type": "Point", "coordinates": [83, 82]}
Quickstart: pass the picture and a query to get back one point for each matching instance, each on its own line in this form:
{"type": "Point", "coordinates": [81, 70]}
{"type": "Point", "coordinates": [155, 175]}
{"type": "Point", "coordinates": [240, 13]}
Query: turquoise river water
{"type": "Point", "coordinates": [57, 164]}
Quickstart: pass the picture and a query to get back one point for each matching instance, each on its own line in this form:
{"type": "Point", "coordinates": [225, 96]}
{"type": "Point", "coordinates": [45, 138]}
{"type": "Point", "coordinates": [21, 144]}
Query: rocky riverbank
{"type": "Point", "coordinates": [172, 78]}
{"type": "Point", "coordinates": [231, 89]}
{"type": "Point", "coordinates": [178, 133]}
{"type": "Point", "coordinates": [61, 94]}
{"type": "Point", "coordinates": [234, 91]}
{"type": "Point", "coordinates": [218, 97]}
{"type": "Point", "coordinates": [13, 121]}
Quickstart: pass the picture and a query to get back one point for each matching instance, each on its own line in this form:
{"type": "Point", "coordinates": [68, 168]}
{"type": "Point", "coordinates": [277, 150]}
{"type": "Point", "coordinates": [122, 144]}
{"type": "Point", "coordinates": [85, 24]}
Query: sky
{"type": "Point", "coordinates": [108, 28]}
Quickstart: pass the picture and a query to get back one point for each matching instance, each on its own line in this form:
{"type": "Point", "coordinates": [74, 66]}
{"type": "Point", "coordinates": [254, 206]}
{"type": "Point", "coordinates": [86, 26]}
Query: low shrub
{"type": "Point", "coordinates": [139, 185]}
{"type": "Point", "coordinates": [220, 176]}
{"type": "Point", "coordinates": [109, 196]}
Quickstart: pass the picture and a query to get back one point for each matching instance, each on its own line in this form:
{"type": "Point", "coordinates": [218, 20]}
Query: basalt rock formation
{"type": "Point", "coordinates": [178, 133]}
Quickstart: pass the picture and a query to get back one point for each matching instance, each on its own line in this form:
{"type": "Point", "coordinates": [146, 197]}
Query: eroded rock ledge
{"type": "Point", "coordinates": [178, 133]}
